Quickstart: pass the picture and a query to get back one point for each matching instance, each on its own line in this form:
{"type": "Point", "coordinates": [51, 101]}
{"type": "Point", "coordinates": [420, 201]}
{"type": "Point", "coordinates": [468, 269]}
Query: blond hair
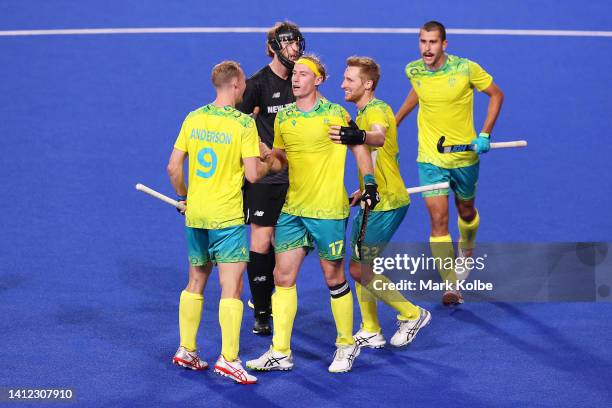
{"type": "Point", "coordinates": [368, 68]}
{"type": "Point", "coordinates": [224, 72]}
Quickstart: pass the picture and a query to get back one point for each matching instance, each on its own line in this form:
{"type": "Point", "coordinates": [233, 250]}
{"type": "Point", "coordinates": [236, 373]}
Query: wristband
{"type": "Point", "coordinates": [181, 198]}
{"type": "Point", "coordinates": [484, 134]}
{"type": "Point", "coordinates": [369, 179]}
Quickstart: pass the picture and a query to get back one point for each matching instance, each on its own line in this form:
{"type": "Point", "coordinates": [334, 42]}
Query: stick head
{"type": "Point", "coordinates": [441, 144]}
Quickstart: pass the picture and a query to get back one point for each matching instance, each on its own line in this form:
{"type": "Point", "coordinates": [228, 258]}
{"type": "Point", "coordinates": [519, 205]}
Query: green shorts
{"type": "Point", "coordinates": [300, 232]}
{"type": "Point", "coordinates": [462, 180]}
{"type": "Point", "coordinates": [381, 227]}
{"type": "Point", "coordinates": [226, 245]}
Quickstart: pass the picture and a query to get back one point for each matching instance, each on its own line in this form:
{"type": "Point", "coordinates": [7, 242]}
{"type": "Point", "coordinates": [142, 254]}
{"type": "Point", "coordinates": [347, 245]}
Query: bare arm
{"type": "Point", "coordinates": [412, 100]}
{"type": "Point", "coordinates": [254, 168]}
{"type": "Point", "coordinates": [496, 99]}
{"type": "Point", "coordinates": [276, 160]}
{"type": "Point", "coordinates": [175, 171]}
{"type": "Point", "coordinates": [376, 135]}
{"type": "Point", "coordinates": [363, 158]}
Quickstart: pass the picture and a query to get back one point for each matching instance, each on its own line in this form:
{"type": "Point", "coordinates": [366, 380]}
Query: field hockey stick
{"type": "Point", "coordinates": [160, 196]}
{"type": "Point", "coordinates": [471, 147]}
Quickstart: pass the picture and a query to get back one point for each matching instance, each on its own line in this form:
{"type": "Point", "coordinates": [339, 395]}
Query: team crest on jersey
{"type": "Point", "coordinates": [293, 122]}
{"type": "Point", "coordinates": [326, 121]}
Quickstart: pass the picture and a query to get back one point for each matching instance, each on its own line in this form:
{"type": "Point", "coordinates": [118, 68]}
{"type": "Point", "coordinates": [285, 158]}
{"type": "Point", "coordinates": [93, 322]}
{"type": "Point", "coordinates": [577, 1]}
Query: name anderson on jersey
{"type": "Point", "coordinates": [211, 136]}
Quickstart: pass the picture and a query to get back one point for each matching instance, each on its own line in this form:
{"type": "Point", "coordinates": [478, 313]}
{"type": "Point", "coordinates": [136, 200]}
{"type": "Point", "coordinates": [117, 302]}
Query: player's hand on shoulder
{"type": "Point", "coordinates": [334, 134]}
{"type": "Point", "coordinates": [348, 135]}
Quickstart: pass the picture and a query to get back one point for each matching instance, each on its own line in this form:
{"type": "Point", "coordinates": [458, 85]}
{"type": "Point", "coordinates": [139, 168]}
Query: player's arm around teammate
{"type": "Point", "coordinates": [376, 129]}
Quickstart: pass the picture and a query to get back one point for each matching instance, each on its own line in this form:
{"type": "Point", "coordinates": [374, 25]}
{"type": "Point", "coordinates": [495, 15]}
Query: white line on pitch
{"type": "Point", "coordinates": [327, 30]}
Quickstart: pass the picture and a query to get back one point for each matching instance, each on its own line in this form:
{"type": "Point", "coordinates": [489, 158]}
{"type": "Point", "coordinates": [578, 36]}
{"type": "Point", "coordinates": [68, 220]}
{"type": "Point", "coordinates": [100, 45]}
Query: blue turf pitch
{"type": "Point", "coordinates": [91, 270]}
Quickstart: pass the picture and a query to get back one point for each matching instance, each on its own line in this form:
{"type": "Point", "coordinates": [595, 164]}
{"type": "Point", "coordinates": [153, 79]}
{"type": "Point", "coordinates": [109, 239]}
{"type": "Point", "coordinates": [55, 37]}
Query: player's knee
{"type": "Point", "coordinates": [282, 276]}
{"type": "Point", "coordinates": [334, 274]}
{"type": "Point", "coordinates": [231, 289]}
{"type": "Point", "coordinates": [467, 212]}
{"type": "Point", "coordinates": [261, 239]}
{"type": "Point", "coordinates": [439, 224]}
{"type": "Point", "coordinates": [196, 284]}
{"type": "Point", "coordinates": [355, 270]}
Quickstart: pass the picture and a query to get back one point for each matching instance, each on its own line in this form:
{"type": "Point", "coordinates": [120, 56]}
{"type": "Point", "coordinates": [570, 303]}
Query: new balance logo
{"type": "Point", "coordinates": [259, 279]}
{"type": "Point", "coordinates": [276, 95]}
{"type": "Point", "coordinates": [258, 213]}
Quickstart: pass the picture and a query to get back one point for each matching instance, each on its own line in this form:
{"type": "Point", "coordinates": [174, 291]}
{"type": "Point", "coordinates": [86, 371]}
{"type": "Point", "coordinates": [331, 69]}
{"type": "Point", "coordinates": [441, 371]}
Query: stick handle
{"type": "Point", "coordinates": [503, 145]}
{"type": "Point", "coordinates": [421, 189]}
{"type": "Point", "coordinates": [160, 196]}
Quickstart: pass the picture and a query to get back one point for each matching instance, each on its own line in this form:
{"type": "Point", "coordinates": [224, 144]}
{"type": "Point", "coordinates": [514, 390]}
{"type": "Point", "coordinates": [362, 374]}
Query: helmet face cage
{"type": "Point", "coordinates": [287, 36]}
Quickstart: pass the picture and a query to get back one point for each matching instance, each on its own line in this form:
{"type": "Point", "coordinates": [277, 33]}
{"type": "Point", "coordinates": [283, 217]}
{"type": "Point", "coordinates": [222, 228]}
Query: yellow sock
{"type": "Point", "coordinates": [444, 253]}
{"type": "Point", "coordinates": [284, 308]}
{"type": "Point", "coordinates": [342, 309]}
{"type": "Point", "coordinates": [368, 308]}
{"type": "Point", "coordinates": [467, 231]}
{"type": "Point", "coordinates": [190, 312]}
{"type": "Point", "coordinates": [393, 298]}
{"type": "Point", "coordinates": [230, 319]}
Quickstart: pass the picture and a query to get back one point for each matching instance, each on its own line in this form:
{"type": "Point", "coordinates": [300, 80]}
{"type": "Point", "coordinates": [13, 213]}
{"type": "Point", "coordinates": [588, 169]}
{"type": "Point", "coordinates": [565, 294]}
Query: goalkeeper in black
{"type": "Point", "coordinates": [268, 91]}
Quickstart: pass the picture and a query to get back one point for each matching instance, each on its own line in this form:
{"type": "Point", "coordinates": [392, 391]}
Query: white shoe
{"type": "Point", "coordinates": [271, 360]}
{"type": "Point", "coordinates": [408, 329]}
{"type": "Point", "coordinates": [344, 358]}
{"type": "Point", "coordinates": [189, 359]}
{"type": "Point", "coordinates": [452, 298]}
{"type": "Point", "coordinates": [364, 338]}
{"type": "Point", "coordinates": [234, 370]}
{"type": "Point", "coordinates": [466, 270]}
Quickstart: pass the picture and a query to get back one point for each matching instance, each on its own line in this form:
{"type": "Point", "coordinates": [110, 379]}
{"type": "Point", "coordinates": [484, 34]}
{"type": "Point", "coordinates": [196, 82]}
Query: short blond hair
{"type": "Point", "coordinates": [224, 72]}
{"type": "Point", "coordinates": [368, 68]}
{"type": "Point", "coordinates": [317, 61]}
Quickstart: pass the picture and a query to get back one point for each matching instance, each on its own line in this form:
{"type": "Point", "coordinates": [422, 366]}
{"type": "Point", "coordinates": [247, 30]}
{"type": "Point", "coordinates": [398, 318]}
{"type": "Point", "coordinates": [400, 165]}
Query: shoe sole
{"type": "Point", "coordinates": [375, 346]}
{"type": "Point", "coordinates": [184, 364]}
{"type": "Point", "coordinates": [262, 333]}
{"type": "Point", "coordinates": [224, 373]}
{"type": "Point", "coordinates": [269, 369]}
{"type": "Point", "coordinates": [427, 320]}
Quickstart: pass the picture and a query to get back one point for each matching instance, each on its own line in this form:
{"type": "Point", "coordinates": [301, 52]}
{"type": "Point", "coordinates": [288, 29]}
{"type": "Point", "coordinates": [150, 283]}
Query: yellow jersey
{"type": "Point", "coordinates": [316, 164]}
{"type": "Point", "coordinates": [446, 108]}
{"type": "Point", "coordinates": [216, 140]}
{"type": "Point", "coordinates": [387, 173]}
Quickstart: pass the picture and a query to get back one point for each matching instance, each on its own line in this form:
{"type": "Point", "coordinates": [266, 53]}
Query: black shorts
{"type": "Point", "coordinates": [263, 203]}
